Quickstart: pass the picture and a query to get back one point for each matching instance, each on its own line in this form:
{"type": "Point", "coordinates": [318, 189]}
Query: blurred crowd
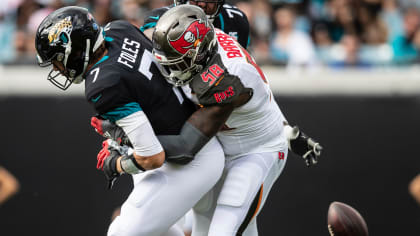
{"type": "Point", "coordinates": [292, 33]}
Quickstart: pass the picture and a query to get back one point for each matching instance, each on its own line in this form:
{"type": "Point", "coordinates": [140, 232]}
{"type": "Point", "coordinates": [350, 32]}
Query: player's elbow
{"type": "Point", "coordinates": [151, 162]}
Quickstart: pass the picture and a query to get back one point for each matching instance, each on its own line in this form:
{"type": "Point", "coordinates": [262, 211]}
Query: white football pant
{"type": "Point", "coordinates": [162, 196]}
{"type": "Point", "coordinates": [232, 206]}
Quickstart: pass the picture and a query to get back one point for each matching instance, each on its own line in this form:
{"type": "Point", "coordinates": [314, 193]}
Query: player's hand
{"type": "Point", "coordinates": [107, 160]}
{"type": "Point", "coordinates": [109, 130]}
{"type": "Point", "coordinates": [304, 146]}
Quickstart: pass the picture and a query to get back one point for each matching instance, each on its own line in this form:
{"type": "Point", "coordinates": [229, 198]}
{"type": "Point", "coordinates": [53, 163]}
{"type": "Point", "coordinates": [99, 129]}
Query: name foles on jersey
{"type": "Point", "coordinates": [129, 52]}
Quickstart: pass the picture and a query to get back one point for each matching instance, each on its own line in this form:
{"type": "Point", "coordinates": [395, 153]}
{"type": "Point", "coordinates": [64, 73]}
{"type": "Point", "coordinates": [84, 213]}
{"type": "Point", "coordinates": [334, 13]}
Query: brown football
{"type": "Point", "coordinates": [344, 220]}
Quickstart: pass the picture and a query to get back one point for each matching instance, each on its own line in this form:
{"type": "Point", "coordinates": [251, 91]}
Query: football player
{"type": "Point", "coordinates": [123, 83]}
{"type": "Point", "coordinates": [224, 16]}
{"type": "Point", "coordinates": [217, 73]}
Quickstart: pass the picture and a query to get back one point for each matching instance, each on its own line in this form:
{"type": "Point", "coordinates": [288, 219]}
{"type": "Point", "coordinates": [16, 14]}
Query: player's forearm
{"type": "Point", "coordinates": [150, 162]}
{"type": "Point", "coordinates": [195, 133]}
{"type": "Point", "coordinates": [142, 163]}
{"type": "Point", "coordinates": [182, 148]}
{"type": "Point", "coordinates": [209, 120]}
{"type": "Point", "coordinates": [148, 152]}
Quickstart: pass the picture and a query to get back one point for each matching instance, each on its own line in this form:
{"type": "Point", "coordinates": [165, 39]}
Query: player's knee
{"type": "Point", "coordinates": [240, 185]}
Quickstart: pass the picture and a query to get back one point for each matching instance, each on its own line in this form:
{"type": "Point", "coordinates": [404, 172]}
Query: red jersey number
{"type": "Point", "coordinates": [214, 72]}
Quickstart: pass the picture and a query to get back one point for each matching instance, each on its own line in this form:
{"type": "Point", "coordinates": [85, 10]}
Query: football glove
{"type": "Point", "coordinates": [107, 160]}
{"type": "Point", "coordinates": [109, 130]}
{"type": "Point", "coordinates": [302, 145]}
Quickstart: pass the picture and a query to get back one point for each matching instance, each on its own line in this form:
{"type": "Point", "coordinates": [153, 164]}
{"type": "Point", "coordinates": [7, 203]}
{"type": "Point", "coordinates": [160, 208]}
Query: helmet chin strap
{"type": "Point", "coordinates": [99, 40]}
{"type": "Point", "coordinates": [67, 51]}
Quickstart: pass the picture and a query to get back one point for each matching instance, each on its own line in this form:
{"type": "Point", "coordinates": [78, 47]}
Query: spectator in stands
{"type": "Point", "coordinates": [413, 4]}
{"type": "Point", "coordinates": [7, 29]}
{"type": "Point", "coordinates": [30, 14]}
{"type": "Point", "coordinates": [133, 12]}
{"type": "Point", "coordinates": [392, 17]}
{"type": "Point", "coordinates": [404, 49]}
{"type": "Point", "coordinates": [289, 46]}
{"type": "Point", "coordinates": [9, 185]}
{"type": "Point", "coordinates": [259, 17]}
{"type": "Point", "coordinates": [102, 11]}
{"type": "Point", "coordinates": [342, 19]}
{"type": "Point", "coordinates": [386, 30]}
{"type": "Point", "coordinates": [348, 53]}
{"type": "Point", "coordinates": [323, 42]}
{"type": "Point", "coordinates": [374, 31]}
{"type": "Point", "coordinates": [374, 35]}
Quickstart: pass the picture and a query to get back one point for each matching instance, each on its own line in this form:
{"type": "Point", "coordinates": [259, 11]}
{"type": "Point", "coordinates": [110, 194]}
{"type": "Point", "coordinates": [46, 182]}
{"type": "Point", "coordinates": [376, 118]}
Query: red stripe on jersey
{"type": "Point", "coordinates": [251, 61]}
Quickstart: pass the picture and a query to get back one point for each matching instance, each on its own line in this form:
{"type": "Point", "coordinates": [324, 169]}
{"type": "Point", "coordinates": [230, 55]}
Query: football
{"type": "Point", "coordinates": [344, 220]}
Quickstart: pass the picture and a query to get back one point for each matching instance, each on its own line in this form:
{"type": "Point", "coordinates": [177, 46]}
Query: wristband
{"type": "Point", "coordinates": [130, 165]}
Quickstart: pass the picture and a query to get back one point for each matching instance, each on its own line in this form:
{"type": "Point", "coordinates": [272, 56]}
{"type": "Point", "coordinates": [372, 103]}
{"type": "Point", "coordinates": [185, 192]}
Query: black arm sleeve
{"type": "Point", "coordinates": [182, 148]}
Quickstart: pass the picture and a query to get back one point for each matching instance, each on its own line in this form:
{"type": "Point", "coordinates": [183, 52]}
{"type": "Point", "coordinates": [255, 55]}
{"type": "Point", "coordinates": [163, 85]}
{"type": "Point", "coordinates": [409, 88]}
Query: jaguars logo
{"type": "Point", "coordinates": [60, 31]}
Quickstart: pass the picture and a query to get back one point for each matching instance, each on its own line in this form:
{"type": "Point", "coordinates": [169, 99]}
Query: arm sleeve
{"type": "Point", "coordinates": [140, 132]}
{"type": "Point", "coordinates": [185, 145]}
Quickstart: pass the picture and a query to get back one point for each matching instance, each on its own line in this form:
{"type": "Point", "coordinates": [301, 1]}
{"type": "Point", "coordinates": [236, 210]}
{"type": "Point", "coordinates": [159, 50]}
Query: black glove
{"type": "Point", "coordinates": [304, 146]}
{"type": "Point", "coordinates": [110, 130]}
{"type": "Point", "coordinates": [107, 160]}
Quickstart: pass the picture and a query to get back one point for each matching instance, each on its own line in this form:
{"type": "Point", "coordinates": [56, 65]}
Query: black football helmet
{"type": "Point", "coordinates": [219, 3]}
{"type": "Point", "coordinates": [183, 41]}
{"type": "Point", "coordinates": [69, 36]}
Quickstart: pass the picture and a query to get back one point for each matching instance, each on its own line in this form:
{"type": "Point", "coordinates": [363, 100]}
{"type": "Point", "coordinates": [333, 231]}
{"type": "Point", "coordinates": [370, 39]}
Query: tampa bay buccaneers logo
{"type": "Point", "coordinates": [191, 37]}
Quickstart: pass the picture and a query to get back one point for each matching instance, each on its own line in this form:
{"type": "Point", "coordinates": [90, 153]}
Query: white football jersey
{"type": "Point", "coordinates": [256, 126]}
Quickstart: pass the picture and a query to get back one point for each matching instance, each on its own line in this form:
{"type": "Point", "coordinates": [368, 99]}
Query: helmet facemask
{"type": "Point", "coordinates": [63, 78]}
{"type": "Point", "coordinates": [180, 71]}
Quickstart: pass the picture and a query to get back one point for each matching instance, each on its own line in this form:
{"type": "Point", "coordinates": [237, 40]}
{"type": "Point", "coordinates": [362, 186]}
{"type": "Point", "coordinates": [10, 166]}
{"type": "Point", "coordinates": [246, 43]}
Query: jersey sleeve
{"type": "Point", "coordinates": [215, 86]}
{"type": "Point", "coordinates": [152, 17]}
{"type": "Point", "coordinates": [243, 32]}
{"type": "Point", "coordinates": [234, 23]}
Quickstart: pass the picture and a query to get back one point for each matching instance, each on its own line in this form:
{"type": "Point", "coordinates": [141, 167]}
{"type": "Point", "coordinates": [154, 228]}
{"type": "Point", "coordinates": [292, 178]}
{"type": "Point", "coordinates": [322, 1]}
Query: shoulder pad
{"type": "Point", "coordinates": [99, 79]}
{"type": "Point", "coordinates": [214, 85]}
